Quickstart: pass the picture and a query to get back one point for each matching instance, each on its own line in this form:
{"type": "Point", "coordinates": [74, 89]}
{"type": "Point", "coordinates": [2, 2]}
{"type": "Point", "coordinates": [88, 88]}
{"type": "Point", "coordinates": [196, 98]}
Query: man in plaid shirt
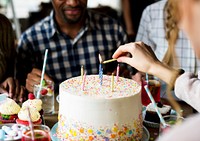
{"type": "Point", "coordinates": [74, 36]}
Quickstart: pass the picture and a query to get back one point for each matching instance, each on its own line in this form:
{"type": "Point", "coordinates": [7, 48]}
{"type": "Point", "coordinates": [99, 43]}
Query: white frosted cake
{"type": "Point", "coordinates": [97, 112]}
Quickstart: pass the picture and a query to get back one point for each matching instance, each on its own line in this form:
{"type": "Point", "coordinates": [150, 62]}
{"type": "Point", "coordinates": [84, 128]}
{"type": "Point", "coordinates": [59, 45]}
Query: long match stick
{"type": "Point", "coordinates": [108, 61]}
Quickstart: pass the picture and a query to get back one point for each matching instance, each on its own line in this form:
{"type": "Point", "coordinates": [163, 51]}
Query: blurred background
{"type": "Point", "coordinates": [24, 13]}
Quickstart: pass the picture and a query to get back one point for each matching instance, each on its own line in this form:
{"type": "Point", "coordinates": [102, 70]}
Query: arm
{"type": "Point", "coordinates": [187, 88]}
{"type": "Point", "coordinates": [143, 59]}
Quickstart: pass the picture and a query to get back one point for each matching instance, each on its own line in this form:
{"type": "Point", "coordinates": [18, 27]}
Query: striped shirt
{"type": "Point", "coordinates": [151, 31]}
{"type": "Point", "coordinates": [99, 35]}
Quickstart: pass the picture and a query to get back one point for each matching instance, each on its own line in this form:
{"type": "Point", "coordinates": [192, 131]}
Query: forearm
{"type": "Point", "coordinates": [164, 72]}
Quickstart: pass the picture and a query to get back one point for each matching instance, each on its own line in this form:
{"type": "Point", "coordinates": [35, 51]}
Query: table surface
{"type": "Point", "coordinates": [50, 120]}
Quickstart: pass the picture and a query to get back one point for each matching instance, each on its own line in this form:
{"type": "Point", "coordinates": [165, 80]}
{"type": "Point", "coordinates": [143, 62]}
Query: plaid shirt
{"type": "Point", "coordinates": [151, 31]}
{"type": "Point", "coordinates": [100, 34]}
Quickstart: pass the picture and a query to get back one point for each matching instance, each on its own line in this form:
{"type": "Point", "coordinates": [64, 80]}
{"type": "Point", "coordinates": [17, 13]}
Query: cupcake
{"type": "Point", "coordinates": [151, 114]}
{"type": "Point", "coordinates": [8, 111]}
{"type": "Point", "coordinates": [33, 103]}
{"type": "Point", "coordinates": [23, 116]}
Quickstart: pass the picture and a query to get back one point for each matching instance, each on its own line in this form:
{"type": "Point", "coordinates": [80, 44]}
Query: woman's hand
{"type": "Point", "coordinates": [142, 56]}
{"type": "Point", "coordinates": [143, 59]}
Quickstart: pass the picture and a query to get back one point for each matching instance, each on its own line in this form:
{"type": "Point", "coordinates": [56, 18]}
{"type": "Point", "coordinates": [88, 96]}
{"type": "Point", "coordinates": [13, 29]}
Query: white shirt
{"type": "Point", "coordinates": [151, 31]}
{"type": "Point", "coordinates": [187, 87]}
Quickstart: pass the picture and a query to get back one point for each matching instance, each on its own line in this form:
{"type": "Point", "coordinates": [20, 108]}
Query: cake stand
{"type": "Point", "coordinates": [145, 136]}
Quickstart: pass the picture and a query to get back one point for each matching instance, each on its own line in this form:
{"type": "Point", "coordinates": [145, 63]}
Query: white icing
{"type": "Point", "coordinates": [9, 107]}
{"type": "Point", "coordinates": [97, 106]}
{"type": "Point", "coordinates": [162, 110]}
{"type": "Point", "coordinates": [34, 103]}
{"type": "Point", "coordinates": [23, 114]}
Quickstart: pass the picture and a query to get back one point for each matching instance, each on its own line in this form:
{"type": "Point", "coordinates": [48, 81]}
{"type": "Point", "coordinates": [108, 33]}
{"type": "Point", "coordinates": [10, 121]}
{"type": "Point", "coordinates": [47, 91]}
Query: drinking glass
{"type": "Point", "coordinates": [41, 133]}
{"type": "Point", "coordinates": [170, 120]}
{"type": "Point", "coordinates": [46, 95]}
{"type": "Point", "coordinates": [154, 87]}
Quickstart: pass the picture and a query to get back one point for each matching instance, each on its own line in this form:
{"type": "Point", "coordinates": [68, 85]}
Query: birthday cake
{"type": "Point", "coordinates": [97, 112]}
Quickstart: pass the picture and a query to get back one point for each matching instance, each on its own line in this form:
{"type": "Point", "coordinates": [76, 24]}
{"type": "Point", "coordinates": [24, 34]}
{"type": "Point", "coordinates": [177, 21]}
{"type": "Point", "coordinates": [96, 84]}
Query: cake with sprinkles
{"type": "Point", "coordinates": [98, 112]}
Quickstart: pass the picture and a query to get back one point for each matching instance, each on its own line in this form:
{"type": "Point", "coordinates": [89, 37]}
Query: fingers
{"type": "Point", "coordinates": [46, 77]}
{"type": "Point", "coordinates": [33, 78]}
{"type": "Point", "coordinates": [123, 49]}
{"type": "Point", "coordinates": [22, 94]}
{"type": "Point", "coordinates": [9, 86]}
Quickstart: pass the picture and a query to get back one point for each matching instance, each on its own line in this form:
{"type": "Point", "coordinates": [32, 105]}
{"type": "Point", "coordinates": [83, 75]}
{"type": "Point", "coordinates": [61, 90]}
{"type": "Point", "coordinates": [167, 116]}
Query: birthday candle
{"type": "Point", "coordinates": [100, 66]}
{"type": "Point", "coordinates": [84, 79]}
{"type": "Point", "coordinates": [117, 72]}
{"type": "Point", "coordinates": [100, 70]}
{"type": "Point", "coordinates": [101, 76]}
{"type": "Point", "coordinates": [82, 72]}
{"type": "Point", "coordinates": [112, 82]}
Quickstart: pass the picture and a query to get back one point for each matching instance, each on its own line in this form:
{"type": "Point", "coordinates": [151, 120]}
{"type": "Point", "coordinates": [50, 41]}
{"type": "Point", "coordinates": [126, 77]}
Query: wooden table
{"type": "Point", "coordinates": [50, 120]}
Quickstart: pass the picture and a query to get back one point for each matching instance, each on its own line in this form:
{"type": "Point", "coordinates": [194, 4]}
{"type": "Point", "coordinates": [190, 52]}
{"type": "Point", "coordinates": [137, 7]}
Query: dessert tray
{"type": "Point", "coordinates": [154, 124]}
{"type": "Point", "coordinates": [145, 137]}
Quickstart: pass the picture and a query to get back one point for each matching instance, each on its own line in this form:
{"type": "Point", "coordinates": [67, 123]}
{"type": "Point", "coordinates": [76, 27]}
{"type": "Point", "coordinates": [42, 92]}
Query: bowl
{"type": "Point", "coordinates": [13, 129]}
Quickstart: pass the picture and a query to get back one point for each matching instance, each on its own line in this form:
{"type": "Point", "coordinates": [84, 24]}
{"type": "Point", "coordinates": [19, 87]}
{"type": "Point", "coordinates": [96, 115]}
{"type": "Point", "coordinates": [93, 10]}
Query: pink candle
{"type": "Point", "coordinates": [112, 82]}
{"type": "Point", "coordinates": [82, 71]}
{"type": "Point", "coordinates": [117, 72]}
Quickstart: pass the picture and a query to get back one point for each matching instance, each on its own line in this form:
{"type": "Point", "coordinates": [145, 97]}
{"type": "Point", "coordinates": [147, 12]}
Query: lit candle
{"type": "Point", "coordinates": [112, 82]}
{"type": "Point", "coordinates": [84, 79]}
{"type": "Point", "coordinates": [117, 72]}
{"type": "Point", "coordinates": [100, 70]}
